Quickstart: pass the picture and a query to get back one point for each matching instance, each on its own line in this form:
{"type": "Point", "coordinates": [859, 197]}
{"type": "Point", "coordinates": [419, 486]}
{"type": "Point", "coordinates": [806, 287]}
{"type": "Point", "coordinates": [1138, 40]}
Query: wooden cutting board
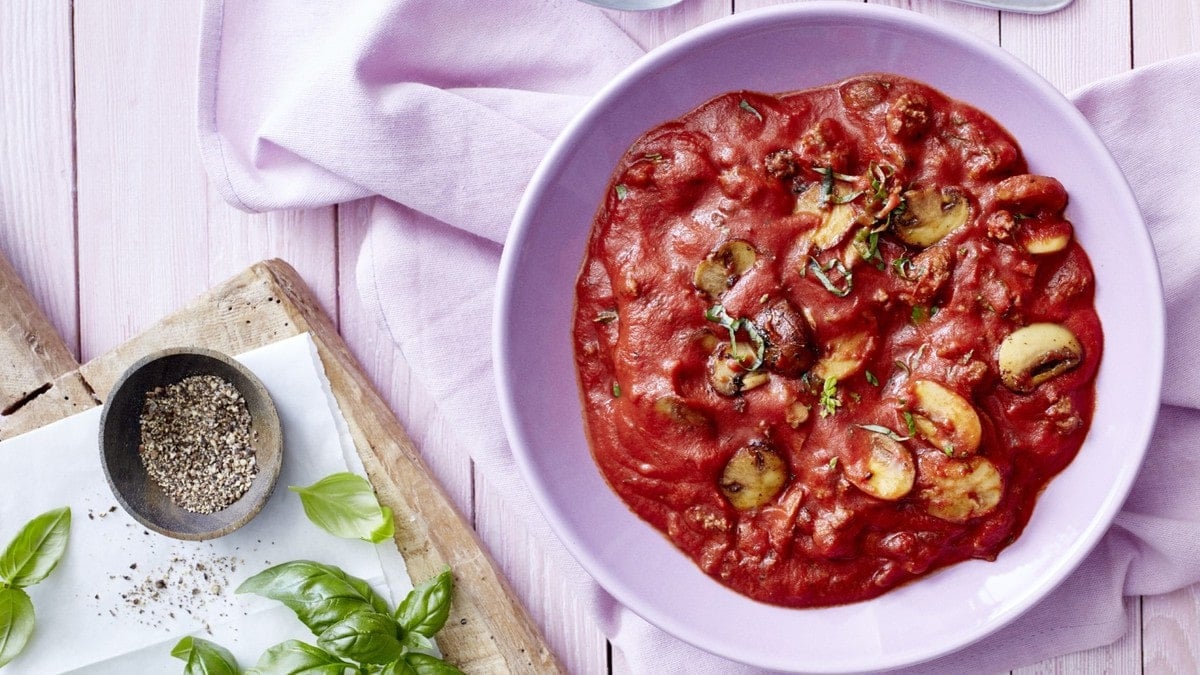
{"type": "Point", "coordinates": [40, 382]}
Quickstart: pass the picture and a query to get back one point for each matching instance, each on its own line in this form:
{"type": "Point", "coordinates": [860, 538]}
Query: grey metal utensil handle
{"type": "Point", "coordinates": [1026, 6]}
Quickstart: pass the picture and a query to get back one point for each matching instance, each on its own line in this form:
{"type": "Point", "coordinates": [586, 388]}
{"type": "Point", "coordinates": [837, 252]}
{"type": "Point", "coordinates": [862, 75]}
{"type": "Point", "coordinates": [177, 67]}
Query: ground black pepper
{"type": "Point", "coordinates": [197, 442]}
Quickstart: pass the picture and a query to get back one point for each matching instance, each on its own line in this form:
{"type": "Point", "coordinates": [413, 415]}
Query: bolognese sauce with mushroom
{"type": "Point", "coordinates": [829, 341]}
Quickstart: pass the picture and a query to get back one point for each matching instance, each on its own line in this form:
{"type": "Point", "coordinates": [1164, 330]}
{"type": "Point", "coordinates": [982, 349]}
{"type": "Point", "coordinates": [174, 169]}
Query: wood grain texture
{"type": "Point", "coordinates": [32, 354]}
{"type": "Point", "coordinates": [37, 170]}
{"type": "Point", "coordinates": [1088, 40]}
{"type": "Point", "coordinates": [152, 234]}
{"type": "Point", "coordinates": [489, 631]}
{"type": "Point", "coordinates": [1164, 29]}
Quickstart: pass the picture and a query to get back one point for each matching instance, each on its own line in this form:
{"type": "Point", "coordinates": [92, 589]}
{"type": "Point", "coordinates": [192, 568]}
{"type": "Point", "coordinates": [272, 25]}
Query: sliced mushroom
{"type": "Point", "coordinates": [958, 490]}
{"type": "Point", "coordinates": [727, 375]}
{"type": "Point", "coordinates": [844, 356]}
{"type": "Point", "coordinates": [836, 219]}
{"type": "Point", "coordinates": [753, 476]}
{"type": "Point", "coordinates": [1030, 194]}
{"type": "Point", "coordinates": [1038, 352]}
{"type": "Point", "coordinates": [931, 214]}
{"type": "Point", "coordinates": [946, 419]}
{"type": "Point", "coordinates": [715, 274]}
{"type": "Point", "coordinates": [1042, 238]}
{"type": "Point", "coordinates": [676, 410]}
{"type": "Point", "coordinates": [880, 466]}
{"type": "Point", "coordinates": [789, 349]}
{"type": "Point", "coordinates": [797, 414]}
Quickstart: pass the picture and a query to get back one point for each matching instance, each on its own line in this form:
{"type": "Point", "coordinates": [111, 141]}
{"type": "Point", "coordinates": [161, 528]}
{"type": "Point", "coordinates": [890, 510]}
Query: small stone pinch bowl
{"type": "Point", "coordinates": [120, 437]}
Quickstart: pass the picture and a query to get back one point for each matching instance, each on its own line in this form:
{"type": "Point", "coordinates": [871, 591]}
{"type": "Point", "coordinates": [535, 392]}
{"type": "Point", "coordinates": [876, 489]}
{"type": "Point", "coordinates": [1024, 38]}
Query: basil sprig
{"type": "Point", "coordinates": [344, 505]}
{"type": "Point", "coordinates": [202, 657]}
{"type": "Point", "coordinates": [320, 595]}
{"type": "Point", "coordinates": [29, 558]}
{"type": "Point", "coordinates": [353, 624]}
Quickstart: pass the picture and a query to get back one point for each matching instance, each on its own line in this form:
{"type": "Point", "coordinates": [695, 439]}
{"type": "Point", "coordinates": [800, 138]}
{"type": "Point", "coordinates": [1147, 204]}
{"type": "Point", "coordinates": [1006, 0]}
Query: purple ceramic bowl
{"type": "Point", "coordinates": [775, 50]}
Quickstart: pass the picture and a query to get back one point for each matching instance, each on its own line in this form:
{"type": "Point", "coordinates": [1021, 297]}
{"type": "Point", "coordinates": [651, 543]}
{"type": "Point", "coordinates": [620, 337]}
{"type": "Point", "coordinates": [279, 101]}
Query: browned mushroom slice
{"type": "Point", "coordinates": [878, 464]}
{"type": "Point", "coordinates": [946, 419]}
{"type": "Point", "coordinates": [676, 410]}
{"type": "Point", "coordinates": [715, 274]}
{"type": "Point", "coordinates": [753, 476]}
{"type": "Point", "coordinates": [727, 374]}
{"type": "Point", "coordinates": [836, 219]}
{"type": "Point", "coordinates": [1036, 353]}
{"type": "Point", "coordinates": [957, 490]}
{"type": "Point", "coordinates": [844, 355]}
{"type": "Point", "coordinates": [789, 349]}
{"type": "Point", "coordinates": [930, 214]}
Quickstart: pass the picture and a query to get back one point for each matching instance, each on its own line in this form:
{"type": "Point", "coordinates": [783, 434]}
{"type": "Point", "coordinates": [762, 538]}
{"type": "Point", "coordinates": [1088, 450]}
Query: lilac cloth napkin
{"type": "Point", "coordinates": [424, 108]}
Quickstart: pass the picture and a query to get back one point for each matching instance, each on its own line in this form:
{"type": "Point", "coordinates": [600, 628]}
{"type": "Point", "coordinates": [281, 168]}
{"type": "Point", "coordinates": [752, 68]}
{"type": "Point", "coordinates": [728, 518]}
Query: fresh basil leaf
{"type": "Point", "coordinates": [343, 504]}
{"type": "Point", "coordinates": [424, 664]}
{"type": "Point", "coordinates": [398, 667]}
{"type": "Point", "coordinates": [320, 595]}
{"type": "Point", "coordinates": [426, 608]}
{"type": "Point", "coordinates": [416, 642]}
{"type": "Point", "coordinates": [298, 658]}
{"type": "Point", "coordinates": [16, 623]}
{"type": "Point", "coordinates": [202, 657]}
{"type": "Point", "coordinates": [37, 548]}
{"type": "Point", "coordinates": [366, 637]}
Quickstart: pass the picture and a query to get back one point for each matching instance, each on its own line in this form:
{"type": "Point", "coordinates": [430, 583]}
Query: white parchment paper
{"type": "Point", "coordinates": [123, 596]}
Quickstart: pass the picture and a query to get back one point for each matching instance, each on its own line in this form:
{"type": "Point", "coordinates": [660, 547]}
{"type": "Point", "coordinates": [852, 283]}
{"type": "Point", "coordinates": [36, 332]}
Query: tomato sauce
{"type": "Point", "coordinates": [832, 340]}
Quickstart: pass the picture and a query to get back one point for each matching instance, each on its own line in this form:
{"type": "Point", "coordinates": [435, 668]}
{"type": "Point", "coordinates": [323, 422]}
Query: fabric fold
{"type": "Point", "coordinates": [440, 112]}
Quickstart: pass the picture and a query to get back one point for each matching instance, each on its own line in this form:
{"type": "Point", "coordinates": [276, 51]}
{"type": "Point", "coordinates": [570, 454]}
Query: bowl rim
{"type": "Point", "coordinates": [558, 154]}
{"type": "Point", "coordinates": [270, 472]}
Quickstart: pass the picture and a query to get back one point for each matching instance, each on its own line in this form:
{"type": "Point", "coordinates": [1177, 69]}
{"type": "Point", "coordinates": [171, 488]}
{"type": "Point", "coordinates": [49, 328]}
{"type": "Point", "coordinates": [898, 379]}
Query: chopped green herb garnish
{"type": "Point", "coordinates": [934, 310]}
{"type": "Point", "coordinates": [948, 449]}
{"type": "Point", "coordinates": [745, 105]}
{"type": "Point", "coordinates": [833, 464]}
{"type": "Point", "coordinates": [834, 264]}
{"type": "Point", "coordinates": [866, 242]}
{"type": "Point", "coordinates": [621, 191]}
{"type": "Point", "coordinates": [871, 379]}
{"type": "Point", "coordinates": [616, 389]}
{"type": "Point", "coordinates": [717, 314]}
{"type": "Point", "coordinates": [830, 401]}
{"type": "Point", "coordinates": [910, 423]}
{"type": "Point", "coordinates": [846, 199]}
{"type": "Point", "coordinates": [878, 429]}
{"type": "Point", "coordinates": [826, 186]}
{"type": "Point", "coordinates": [900, 365]}
{"type": "Point", "coordinates": [920, 314]}
{"type": "Point", "coordinates": [902, 266]}
{"type": "Point", "coordinates": [655, 157]}
{"type": "Point", "coordinates": [607, 316]}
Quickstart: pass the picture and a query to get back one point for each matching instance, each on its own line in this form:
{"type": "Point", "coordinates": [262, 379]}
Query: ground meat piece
{"type": "Point", "coordinates": [827, 144]}
{"type": "Point", "coordinates": [909, 117]}
{"type": "Point", "coordinates": [781, 164]}
{"type": "Point", "coordinates": [1000, 225]}
{"type": "Point", "coordinates": [929, 271]}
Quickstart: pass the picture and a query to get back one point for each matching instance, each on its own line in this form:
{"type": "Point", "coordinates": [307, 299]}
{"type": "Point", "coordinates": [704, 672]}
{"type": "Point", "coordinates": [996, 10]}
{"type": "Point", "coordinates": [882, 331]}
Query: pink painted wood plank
{"type": "Point", "coordinates": [37, 201]}
{"type": "Point", "coordinates": [151, 235]}
{"type": "Point", "coordinates": [1169, 628]}
{"type": "Point", "coordinates": [1164, 29]}
{"type": "Point", "coordinates": [555, 605]}
{"type": "Point", "coordinates": [1088, 40]}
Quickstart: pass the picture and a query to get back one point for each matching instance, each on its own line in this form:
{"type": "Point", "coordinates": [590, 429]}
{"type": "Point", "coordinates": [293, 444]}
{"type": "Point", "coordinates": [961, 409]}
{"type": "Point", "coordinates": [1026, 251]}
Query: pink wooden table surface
{"type": "Point", "coordinates": [106, 213]}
